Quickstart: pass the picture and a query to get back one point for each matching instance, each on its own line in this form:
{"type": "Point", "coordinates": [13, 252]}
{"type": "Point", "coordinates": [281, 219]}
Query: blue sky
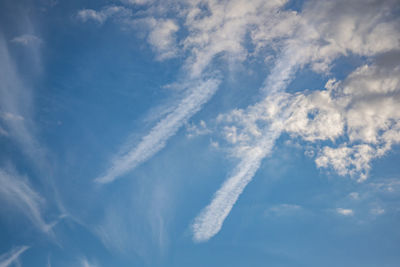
{"type": "Point", "coordinates": [199, 133]}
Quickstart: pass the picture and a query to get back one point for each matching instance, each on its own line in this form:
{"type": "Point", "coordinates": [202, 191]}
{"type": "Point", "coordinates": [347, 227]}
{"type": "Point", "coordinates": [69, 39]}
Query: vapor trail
{"type": "Point", "coordinates": [158, 136]}
{"type": "Point", "coordinates": [210, 220]}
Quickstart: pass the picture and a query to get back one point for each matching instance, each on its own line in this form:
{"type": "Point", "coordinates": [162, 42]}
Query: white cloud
{"type": "Point", "coordinates": [342, 27]}
{"type": "Point", "coordinates": [27, 39]}
{"type": "Point", "coordinates": [162, 37]}
{"type": "Point", "coordinates": [221, 28]}
{"type": "Point", "coordinates": [16, 191]}
{"type": "Point", "coordinates": [347, 160]}
{"type": "Point", "coordinates": [104, 14]}
{"type": "Point", "coordinates": [196, 130]}
{"type": "Point", "coordinates": [7, 259]}
{"type": "Point", "coordinates": [345, 212]}
{"type": "Point", "coordinates": [314, 117]}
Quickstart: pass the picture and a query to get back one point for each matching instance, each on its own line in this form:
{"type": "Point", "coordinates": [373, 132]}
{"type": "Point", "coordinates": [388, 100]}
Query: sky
{"type": "Point", "coordinates": [199, 133]}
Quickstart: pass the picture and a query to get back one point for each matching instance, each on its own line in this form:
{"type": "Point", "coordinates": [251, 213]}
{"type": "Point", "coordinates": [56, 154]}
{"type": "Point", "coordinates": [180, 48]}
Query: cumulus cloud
{"type": "Point", "coordinates": [8, 258]}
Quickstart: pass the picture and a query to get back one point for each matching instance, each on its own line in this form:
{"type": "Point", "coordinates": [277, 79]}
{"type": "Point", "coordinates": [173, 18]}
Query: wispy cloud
{"type": "Point", "coordinates": [27, 39]}
{"type": "Point", "coordinates": [16, 191]}
{"type": "Point", "coordinates": [16, 107]}
{"type": "Point", "coordinates": [196, 130]}
{"type": "Point", "coordinates": [12, 256]}
{"type": "Point", "coordinates": [104, 14]}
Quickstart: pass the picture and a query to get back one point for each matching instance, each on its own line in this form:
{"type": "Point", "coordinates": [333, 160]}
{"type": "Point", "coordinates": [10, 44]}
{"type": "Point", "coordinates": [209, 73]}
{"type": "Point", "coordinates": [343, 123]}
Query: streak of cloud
{"type": "Point", "coordinates": [210, 220]}
{"type": "Point", "coordinates": [12, 256]}
{"type": "Point", "coordinates": [19, 194]}
{"type": "Point", "coordinates": [16, 105]}
{"type": "Point", "coordinates": [150, 144]}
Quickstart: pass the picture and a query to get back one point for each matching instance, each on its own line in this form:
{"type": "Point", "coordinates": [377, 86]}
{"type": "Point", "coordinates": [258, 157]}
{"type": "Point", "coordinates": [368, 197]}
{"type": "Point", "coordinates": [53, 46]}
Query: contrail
{"type": "Point", "coordinates": [210, 220]}
{"type": "Point", "coordinates": [158, 136]}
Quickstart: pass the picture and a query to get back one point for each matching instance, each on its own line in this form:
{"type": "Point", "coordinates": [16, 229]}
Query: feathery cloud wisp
{"type": "Point", "coordinates": [10, 257]}
{"type": "Point", "coordinates": [18, 193]}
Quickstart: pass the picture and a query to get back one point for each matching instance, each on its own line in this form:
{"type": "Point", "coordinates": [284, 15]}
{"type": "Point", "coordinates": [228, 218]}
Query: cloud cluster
{"type": "Point", "coordinates": [360, 110]}
{"type": "Point", "coordinates": [348, 123]}
{"type": "Point", "coordinates": [215, 36]}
